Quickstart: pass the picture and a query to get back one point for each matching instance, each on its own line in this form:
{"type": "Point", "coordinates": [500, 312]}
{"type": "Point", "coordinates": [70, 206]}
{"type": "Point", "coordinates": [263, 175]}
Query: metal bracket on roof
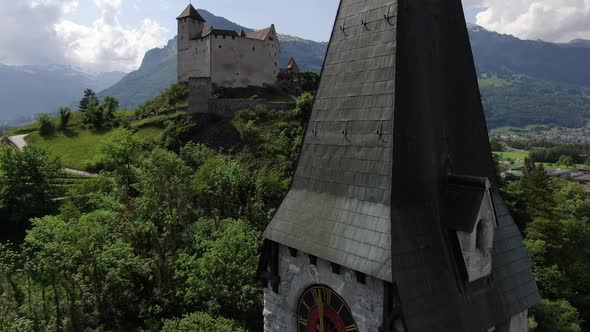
{"type": "Point", "coordinates": [364, 21]}
{"type": "Point", "coordinates": [380, 130]}
{"type": "Point", "coordinates": [315, 129]}
{"type": "Point", "coordinates": [388, 15]}
{"type": "Point", "coordinates": [345, 130]}
{"type": "Point", "coordinates": [343, 27]}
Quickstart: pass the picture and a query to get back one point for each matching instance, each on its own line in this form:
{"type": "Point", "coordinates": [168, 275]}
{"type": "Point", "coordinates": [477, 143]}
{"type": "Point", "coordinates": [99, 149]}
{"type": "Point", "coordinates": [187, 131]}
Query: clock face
{"type": "Point", "coordinates": [321, 309]}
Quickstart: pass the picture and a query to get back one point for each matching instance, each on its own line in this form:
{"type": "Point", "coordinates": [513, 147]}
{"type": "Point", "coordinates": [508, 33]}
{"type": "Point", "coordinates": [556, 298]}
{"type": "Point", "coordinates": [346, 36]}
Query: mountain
{"type": "Point", "coordinates": [519, 101]}
{"type": "Point", "coordinates": [157, 72]}
{"type": "Point", "coordinates": [158, 69]}
{"type": "Point", "coordinates": [308, 54]}
{"type": "Point", "coordinates": [29, 90]}
{"type": "Point", "coordinates": [506, 54]}
{"type": "Point", "coordinates": [522, 82]}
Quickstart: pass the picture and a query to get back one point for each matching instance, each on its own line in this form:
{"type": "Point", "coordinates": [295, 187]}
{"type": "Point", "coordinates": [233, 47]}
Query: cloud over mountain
{"type": "Point", "coordinates": [39, 32]}
{"type": "Point", "coordinates": [551, 20]}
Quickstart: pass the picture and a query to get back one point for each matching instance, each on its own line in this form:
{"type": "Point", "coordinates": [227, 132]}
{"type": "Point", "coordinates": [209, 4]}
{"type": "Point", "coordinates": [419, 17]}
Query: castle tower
{"type": "Point", "coordinates": [393, 221]}
{"type": "Point", "coordinates": [190, 24]}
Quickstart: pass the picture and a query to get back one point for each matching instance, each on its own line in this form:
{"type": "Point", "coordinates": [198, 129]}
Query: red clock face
{"type": "Point", "coordinates": [323, 310]}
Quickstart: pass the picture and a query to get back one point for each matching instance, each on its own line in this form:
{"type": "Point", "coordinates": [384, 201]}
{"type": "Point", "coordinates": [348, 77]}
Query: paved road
{"type": "Point", "coordinates": [19, 142]}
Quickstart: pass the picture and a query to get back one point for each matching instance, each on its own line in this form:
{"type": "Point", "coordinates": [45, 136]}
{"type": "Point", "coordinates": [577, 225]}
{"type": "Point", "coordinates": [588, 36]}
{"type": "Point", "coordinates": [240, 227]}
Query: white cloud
{"type": "Point", "coordinates": [38, 32]}
{"type": "Point", "coordinates": [106, 44]}
{"type": "Point", "coordinates": [27, 35]}
{"type": "Point", "coordinates": [65, 6]}
{"type": "Point", "coordinates": [551, 20]}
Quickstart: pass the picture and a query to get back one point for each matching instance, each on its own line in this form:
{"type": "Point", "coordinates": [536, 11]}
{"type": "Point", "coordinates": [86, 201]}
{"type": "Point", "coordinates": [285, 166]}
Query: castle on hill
{"type": "Point", "coordinates": [228, 58]}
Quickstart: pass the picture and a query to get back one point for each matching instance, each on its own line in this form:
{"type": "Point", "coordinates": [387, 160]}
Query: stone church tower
{"type": "Point", "coordinates": [393, 221]}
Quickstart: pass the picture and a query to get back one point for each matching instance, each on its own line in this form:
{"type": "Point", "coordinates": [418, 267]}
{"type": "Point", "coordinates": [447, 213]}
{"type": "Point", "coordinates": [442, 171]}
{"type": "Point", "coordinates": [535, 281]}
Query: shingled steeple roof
{"type": "Point", "coordinates": [191, 12]}
{"type": "Point", "coordinates": [397, 111]}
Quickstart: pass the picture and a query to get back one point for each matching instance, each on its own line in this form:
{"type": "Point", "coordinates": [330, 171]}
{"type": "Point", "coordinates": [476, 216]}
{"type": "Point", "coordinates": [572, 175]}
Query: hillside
{"type": "Point", "coordinates": [157, 72]}
{"type": "Point", "coordinates": [519, 101]}
{"type": "Point", "coordinates": [505, 54]}
{"type": "Point", "coordinates": [28, 90]}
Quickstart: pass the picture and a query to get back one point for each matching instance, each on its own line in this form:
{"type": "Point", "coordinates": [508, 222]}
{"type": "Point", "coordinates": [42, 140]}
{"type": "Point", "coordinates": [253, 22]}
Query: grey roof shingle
{"type": "Point", "coordinates": [339, 200]}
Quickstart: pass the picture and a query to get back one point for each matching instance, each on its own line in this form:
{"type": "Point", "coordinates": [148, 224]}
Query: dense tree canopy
{"type": "Point", "coordinates": [167, 236]}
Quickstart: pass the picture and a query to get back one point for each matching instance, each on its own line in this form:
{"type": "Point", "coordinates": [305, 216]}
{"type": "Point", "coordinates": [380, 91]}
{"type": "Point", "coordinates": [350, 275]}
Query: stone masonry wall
{"type": "Point", "coordinates": [297, 274]}
{"type": "Point", "coordinates": [229, 107]}
{"type": "Point", "coordinates": [199, 93]}
{"type": "Point", "coordinates": [243, 62]}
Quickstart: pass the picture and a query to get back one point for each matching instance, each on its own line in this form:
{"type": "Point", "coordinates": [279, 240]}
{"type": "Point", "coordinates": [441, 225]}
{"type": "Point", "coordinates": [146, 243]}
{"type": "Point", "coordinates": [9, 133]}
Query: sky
{"type": "Point", "coordinates": [109, 35]}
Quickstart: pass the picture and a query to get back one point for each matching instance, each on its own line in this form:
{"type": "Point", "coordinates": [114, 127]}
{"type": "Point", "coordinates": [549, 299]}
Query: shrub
{"type": "Point", "coordinates": [304, 106]}
{"type": "Point", "coordinates": [195, 155]}
{"type": "Point", "coordinates": [556, 316]}
{"type": "Point", "coordinates": [65, 115]}
{"type": "Point", "coordinates": [201, 321]}
{"type": "Point", "coordinates": [46, 127]}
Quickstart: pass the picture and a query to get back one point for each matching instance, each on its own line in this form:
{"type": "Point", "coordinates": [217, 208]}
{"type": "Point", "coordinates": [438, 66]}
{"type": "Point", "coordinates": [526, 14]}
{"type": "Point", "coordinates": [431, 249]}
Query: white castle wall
{"type": "Point", "coordinates": [242, 62]}
{"type": "Point", "coordinates": [297, 274]}
{"type": "Point", "coordinates": [229, 61]}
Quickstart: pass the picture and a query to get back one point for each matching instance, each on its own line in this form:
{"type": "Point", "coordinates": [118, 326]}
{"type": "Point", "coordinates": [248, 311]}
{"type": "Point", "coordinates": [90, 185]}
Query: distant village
{"type": "Point", "coordinates": [556, 134]}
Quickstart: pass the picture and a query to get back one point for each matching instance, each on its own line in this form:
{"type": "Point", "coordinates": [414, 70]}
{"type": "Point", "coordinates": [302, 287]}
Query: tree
{"type": "Point", "coordinates": [223, 188]}
{"type": "Point", "coordinates": [46, 126]}
{"type": "Point", "coordinates": [65, 115]}
{"type": "Point", "coordinates": [163, 212]}
{"type": "Point", "coordinates": [177, 133]}
{"type": "Point", "coordinates": [109, 106]}
{"type": "Point", "coordinates": [309, 81]}
{"type": "Point", "coordinates": [219, 270]}
{"type": "Point", "coordinates": [94, 114]}
{"type": "Point", "coordinates": [89, 97]}
{"type": "Point", "coordinates": [195, 155]}
{"type": "Point", "coordinates": [537, 191]}
{"type": "Point", "coordinates": [304, 106]}
{"type": "Point", "coordinates": [100, 273]}
{"type": "Point", "coordinates": [118, 154]}
{"type": "Point", "coordinates": [557, 316]}
{"type": "Point", "coordinates": [496, 144]}
{"type": "Point", "coordinates": [176, 94]}
{"type": "Point", "coordinates": [28, 182]}
{"type": "Point", "coordinates": [567, 161]}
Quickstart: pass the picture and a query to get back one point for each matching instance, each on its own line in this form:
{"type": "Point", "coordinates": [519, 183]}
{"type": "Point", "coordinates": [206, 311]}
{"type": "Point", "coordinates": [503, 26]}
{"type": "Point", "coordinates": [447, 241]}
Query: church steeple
{"type": "Point", "coordinates": [191, 12]}
{"type": "Point", "coordinates": [394, 205]}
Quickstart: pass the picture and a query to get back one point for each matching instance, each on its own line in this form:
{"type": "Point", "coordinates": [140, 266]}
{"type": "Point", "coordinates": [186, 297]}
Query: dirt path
{"type": "Point", "coordinates": [18, 141]}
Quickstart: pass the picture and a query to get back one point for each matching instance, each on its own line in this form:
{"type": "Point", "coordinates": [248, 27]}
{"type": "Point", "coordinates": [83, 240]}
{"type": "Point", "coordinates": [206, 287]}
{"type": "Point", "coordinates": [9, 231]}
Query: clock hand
{"type": "Point", "coordinates": [321, 310]}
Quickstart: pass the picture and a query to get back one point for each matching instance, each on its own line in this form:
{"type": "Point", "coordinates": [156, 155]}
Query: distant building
{"type": "Point", "coordinates": [226, 57]}
{"type": "Point", "coordinates": [288, 78]}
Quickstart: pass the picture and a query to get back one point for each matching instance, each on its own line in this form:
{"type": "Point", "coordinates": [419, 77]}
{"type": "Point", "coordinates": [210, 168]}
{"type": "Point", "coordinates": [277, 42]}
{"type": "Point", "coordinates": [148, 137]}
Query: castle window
{"type": "Point", "coordinates": [335, 268]}
{"type": "Point", "coordinates": [313, 260]}
{"type": "Point", "coordinates": [253, 49]}
{"type": "Point", "coordinates": [223, 36]}
{"type": "Point", "coordinates": [233, 37]}
{"type": "Point", "coordinates": [219, 46]}
{"type": "Point", "coordinates": [215, 36]}
{"type": "Point", "coordinates": [360, 277]}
